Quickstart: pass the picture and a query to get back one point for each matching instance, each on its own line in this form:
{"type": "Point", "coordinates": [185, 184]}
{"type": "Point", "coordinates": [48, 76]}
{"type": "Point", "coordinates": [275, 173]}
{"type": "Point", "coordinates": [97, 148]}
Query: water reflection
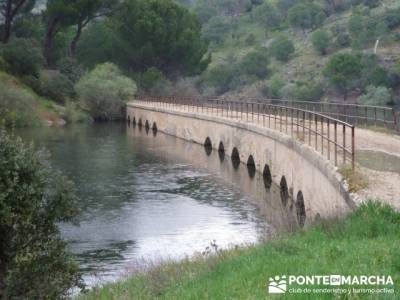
{"type": "Point", "coordinates": [154, 196]}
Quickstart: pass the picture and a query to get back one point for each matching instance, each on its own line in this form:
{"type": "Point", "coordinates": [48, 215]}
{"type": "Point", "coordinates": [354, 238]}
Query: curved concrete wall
{"type": "Point", "coordinates": [303, 168]}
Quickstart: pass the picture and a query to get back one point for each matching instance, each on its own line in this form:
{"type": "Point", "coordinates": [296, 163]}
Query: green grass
{"type": "Point", "coordinates": [367, 242]}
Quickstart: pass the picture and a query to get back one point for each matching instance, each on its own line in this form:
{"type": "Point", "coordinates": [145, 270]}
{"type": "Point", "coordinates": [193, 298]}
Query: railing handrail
{"type": "Point", "coordinates": [358, 114]}
{"type": "Point", "coordinates": [293, 116]}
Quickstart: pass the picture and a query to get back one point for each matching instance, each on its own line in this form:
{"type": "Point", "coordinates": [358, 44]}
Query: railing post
{"type": "Point", "coordinates": [344, 144]}
{"type": "Point", "coordinates": [353, 151]}
{"type": "Point", "coordinates": [335, 127]}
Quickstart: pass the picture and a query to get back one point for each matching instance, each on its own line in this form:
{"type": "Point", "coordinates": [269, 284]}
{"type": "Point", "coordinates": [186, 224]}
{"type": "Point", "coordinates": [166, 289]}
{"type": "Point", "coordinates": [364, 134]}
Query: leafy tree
{"type": "Point", "coordinates": [255, 63]}
{"type": "Point", "coordinates": [34, 263]}
{"type": "Point", "coordinates": [9, 10]}
{"type": "Point", "coordinates": [267, 15]}
{"type": "Point", "coordinates": [104, 91]}
{"type": "Point", "coordinates": [376, 96]}
{"type": "Point", "coordinates": [306, 15]}
{"type": "Point", "coordinates": [23, 57]}
{"type": "Point", "coordinates": [275, 86]}
{"type": "Point", "coordinates": [320, 40]}
{"type": "Point", "coordinates": [161, 34]}
{"type": "Point", "coordinates": [282, 48]}
{"type": "Point", "coordinates": [99, 44]}
{"type": "Point", "coordinates": [343, 70]}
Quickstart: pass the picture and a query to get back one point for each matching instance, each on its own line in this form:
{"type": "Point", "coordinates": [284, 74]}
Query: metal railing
{"type": "Point", "coordinates": [355, 114]}
{"type": "Point", "coordinates": [333, 138]}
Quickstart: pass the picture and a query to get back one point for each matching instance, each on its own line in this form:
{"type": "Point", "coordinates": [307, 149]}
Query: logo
{"type": "Point", "coordinates": [277, 285]}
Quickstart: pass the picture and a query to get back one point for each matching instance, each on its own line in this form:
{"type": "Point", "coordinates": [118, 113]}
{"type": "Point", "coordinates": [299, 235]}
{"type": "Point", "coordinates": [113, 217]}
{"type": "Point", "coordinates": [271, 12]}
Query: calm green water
{"type": "Point", "coordinates": [147, 197]}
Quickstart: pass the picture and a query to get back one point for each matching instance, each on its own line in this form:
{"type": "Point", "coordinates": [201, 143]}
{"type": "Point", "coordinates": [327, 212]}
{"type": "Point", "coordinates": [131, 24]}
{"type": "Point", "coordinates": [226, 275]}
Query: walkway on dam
{"type": "Point", "coordinates": [382, 184]}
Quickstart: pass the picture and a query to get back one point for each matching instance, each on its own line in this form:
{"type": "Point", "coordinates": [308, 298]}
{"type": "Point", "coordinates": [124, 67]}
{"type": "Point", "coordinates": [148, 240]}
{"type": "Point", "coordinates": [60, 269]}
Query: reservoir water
{"type": "Point", "coordinates": [151, 197]}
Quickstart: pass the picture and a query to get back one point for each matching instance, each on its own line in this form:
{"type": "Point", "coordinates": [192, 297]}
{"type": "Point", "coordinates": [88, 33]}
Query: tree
{"type": "Point", "coordinates": [343, 70]}
{"type": "Point", "coordinates": [320, 40]}
{"type": "Point", "coordinates": [104, 91]}
{"type": "Point", "coordinates": [58, 14]}
{"type": "Point", "coordinates": [88, 10]}
{"type": "Point", "coordinates": [161, 34]}
{"type": "Point", "coordinates": [9, 10]}
{"type": "Point", "coordinates": [282, 48]}
{"type": "Point", "coordinates": [306, 16]}
{"type": "Point", "coordinates": [34, 199]}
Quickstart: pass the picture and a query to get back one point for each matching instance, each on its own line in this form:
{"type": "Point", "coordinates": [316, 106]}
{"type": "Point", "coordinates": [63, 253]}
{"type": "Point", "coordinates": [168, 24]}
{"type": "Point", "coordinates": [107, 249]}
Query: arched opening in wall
{"type": "Point", "coordinates": [221, 151]}
{"type": "Point", "coordinates": [300, 209]}
{"type": "Point", "coordinates": [235, 157]}
{"type": "Point", "coordinates": [134, 121]}
{"type": "Point", "coordinates": [147, 125]}
{"type": "Point", "coordinates": [284, 191]}
{"type": "Point", "coordinates": [251, 166]}
{"type": "Point", "coordinates": [154, 128]}
{"type": "Point", "coordinates": [208, 146]}
{"type": "Point", "coordinates": [267, 176]}
{"type": "Point", "coordinates": [129, 119]}
{"type": "Point", "coordinates": [140, 124]}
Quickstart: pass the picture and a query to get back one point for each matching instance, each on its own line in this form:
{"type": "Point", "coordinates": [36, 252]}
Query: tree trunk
{"type": "Point", "coordinates": [75, 40]}
{"type": "Point", "coordinates": [48, 45]}
{"type": "Point", "coordinates": [7, 23]}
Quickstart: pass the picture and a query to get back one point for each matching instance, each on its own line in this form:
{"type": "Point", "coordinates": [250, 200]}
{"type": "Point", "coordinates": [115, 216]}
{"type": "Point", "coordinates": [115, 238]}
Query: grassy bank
{"type": "Point", "coordinates": [20, 106]}
{"type": "Point", "coordinates": [365, 243]}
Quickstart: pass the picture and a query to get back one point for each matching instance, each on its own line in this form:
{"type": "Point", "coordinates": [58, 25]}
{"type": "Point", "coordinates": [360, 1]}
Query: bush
{"type": "Point", "coordinates": [282, 48]}
{"type": "Point", "coordinates": [343, 70]}
{"type": "Point", "coordinates": [23, 57]}
{"type": "Point", "coordinates": [105, 91]}
{"type": "Point", "coordinates": [275, 86]}
{"type": "Point", "coordinates": [306, 15]}
{"type": "Point", "coordinates": [71, 69]}
{"type": "Point", "coordinates": [320, 40]}
{"type": "Point", "coordinates": [220, 77]}
{"type": "Point", "coordinates": [153, 82]}
{"type": "Point", "coordinates": [216, 29]}
{"type": "Point", "coordinates": [16, 107]}
{"type": "Point", "coordinates": [376, 96]}
{"type": "Point", "coordinates": [255, 63]}
{"type": "Point", "coordinates": [267, 15]}
{"type": "Point", "coordinates": [57, 87]}
{"type": "Point", "coordinates": [33, 200]}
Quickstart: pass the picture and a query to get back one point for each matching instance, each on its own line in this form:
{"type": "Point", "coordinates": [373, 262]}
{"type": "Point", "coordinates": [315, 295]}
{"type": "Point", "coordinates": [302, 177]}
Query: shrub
{"type": "Point", "coordinates": [216, 29]}
{"type": "Point", "coordinates": [23, 57]}
{"type": "Point", "coordinates": [33, 200]}
{"type": "Point", "coordinates": [153, 82]}
{"type": "Point", "coordinates": [105, 91]}
{"type": "Point", "coordinates": [220, 77]}
{"type": "Point", "coordinates": [57, 87]}
{"type": "Point", "coordinates": [16, 107]}
{"type": "Point", "coordinates": [267, 15]}
{"type": "Point", "coordinates": [306, 15]}
{"type": "Point", "coordinates": [376, 96]}
{"type": "Point", "coordinates": [70, 68]}
{"type": "Point", "coordinates": [320, 40]}
{"type": "Point", "coordinates": [275, 86]}
{"type": "Point", "coordinates": [255, 63]}
{"type": "Point", "coordinates": [282, 48]}
{"type": "Point", "coordinates": [343, 71]}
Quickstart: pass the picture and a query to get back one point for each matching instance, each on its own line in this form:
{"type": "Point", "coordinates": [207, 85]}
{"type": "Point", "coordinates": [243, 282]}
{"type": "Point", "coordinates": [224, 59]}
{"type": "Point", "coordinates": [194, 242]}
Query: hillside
{"type": "Point", "coordinates": [352, 29]}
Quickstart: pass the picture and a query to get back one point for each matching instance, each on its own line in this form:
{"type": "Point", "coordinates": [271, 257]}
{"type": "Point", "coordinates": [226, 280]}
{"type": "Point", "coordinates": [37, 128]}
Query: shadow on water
{"type": "Point", "coordinates": [155, 196]}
